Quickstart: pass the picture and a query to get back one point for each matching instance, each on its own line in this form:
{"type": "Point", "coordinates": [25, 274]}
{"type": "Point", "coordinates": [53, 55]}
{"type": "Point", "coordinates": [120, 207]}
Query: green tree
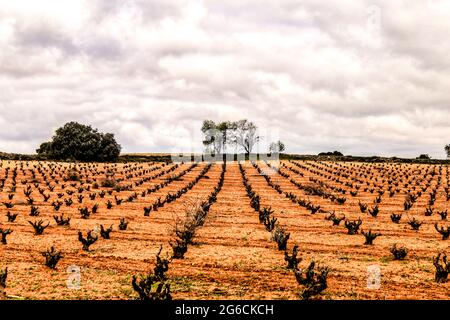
{"type": "Point", "coordinates": [75, 141]}
{"type": "Point", "coordinates": [277, 147]}
{"type": "Point", "coordinates": [447, 150]}
{"type": "Point", "coordinates": [216, 135]}
{"type": "Point", "coordinates": [334, 153]}
{"type": "Point", "coordinates": [242, 133]}
{"type": "Point", "coordinates": [424, 157]}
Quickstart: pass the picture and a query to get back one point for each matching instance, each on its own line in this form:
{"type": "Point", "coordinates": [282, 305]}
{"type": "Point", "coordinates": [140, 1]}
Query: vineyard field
{"type": "Point", "coordinates": [233, 255]}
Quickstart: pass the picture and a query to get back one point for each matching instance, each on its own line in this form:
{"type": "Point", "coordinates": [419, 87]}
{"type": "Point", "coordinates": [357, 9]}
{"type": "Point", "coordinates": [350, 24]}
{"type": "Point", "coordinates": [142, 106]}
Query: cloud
{"type": "Point", "coordinates": [362, 77]}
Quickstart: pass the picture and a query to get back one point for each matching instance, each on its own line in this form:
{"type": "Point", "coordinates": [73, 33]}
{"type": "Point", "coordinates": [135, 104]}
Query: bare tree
{"type": "Point", "coordinates": [244, 135]}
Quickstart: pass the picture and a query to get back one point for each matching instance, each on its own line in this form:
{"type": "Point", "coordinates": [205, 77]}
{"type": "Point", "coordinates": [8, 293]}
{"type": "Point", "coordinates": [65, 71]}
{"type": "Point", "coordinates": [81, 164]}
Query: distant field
{"type": "Point", "coordinates": [147, 154]}
{"type": "Point", "coordinates": [233, 256]}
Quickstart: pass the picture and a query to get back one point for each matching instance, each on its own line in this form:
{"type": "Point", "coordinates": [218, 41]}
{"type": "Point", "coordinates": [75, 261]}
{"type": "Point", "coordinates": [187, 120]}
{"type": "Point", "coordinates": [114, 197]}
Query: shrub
{"type": "Point", "coordinates": [34, 211]}
{"type": "Point", "coordinates": [88, 241]}
{"type": "Point", "coordinates": [442, 269]}
{"type": "Point", "coordinates": [61, 221]}
{"type": "Point", "coordinates": [443, 214]}
{"type": "Point", "coordinates": [68, 202]}
{"type": "Point", "coordinates": [292, 260]}
{"type": "Point", "coordinates": [154, 286]}
{"type": "Point", "coordinates": [396, 217]}
{"type": "Point", "coordinates": [105, 232]}
{"type": "Point", "coordinates": [255, 202]}
{"type": "Point", "coordinates": [445, 232]}
{"type": "Point", "coordinates": [269, 223]}
{"type": "Point", "coordinates": [147, 211]}
{"type": "Point", "coordinates": [5, 233]}
{"type": "Point", "coordinates": [118, 201]}
{"type": "Point", "coordinates": [314, 279]}
{"type": "Point", "coordinates": [123, 224]}
{"type": "Point", "coordinates": [11, 216]}
{"type": "Point", "coordinates": [280, 236]}
{"type": "Point", "coordinates": [150, 289]}
{"type": "Point", "coordinates": [52, 257]}
{"type": "Point", "coordinates": [162, 265]}
{"type": "Point", "coordinates": [265, 214]}
{"type": "Point", "coordinates": [185, 227]}
{"type": "Point", "coordinates": [3, 277]}
{"type": "Point", "coordinates": [8, 205]}
{"type": "Point", "coordinates": [38, 226]}
{"type": "Point", "coordinates": [85, 213]}
{"type": "Point", "coordinates": [72, 176]}
{"type": "Point", "coordinates": [362, 207]}
{"type": "Point", "coordinates": [353, 226]}
{"type": "Point", "coordinates": [407, 204]}
{"type": "Point", "coordinates": [398, 253]}
{"type": "Point", "coordinates": [313, 208]}
{"type": "Point", "coordinates": [179, 248]}
{"type": "Point", "coordinates": [108, 183]}
{"type": "Point", "coordinates": [370, 236]}
{"type": "Point", "coordinates": [341, 200]}
{"type": "Point", "coordinates": [374, 211]}
{"type": "Point", "coordinates": [56, 205]}
{"type": "Point", "coordinates": [415, 224]}
{"type": "Point", "coordinates": [336, 220]}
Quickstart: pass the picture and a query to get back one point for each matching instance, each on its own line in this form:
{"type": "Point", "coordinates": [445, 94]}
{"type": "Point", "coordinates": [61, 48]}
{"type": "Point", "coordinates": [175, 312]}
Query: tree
{"type": "Point", "coordinates": [244, 135]}
{"type": "Point", "coordinates": [277, 147]}
{"type": "Point", "coordinates": [75, 141]}
{"type": "Point", "coordinates": [45, 149]}
{"type": "Point", "coordinates": [224, 128]}
{"type": "Point", "coordinates": [240, 133]}
{"type": "Point", "coordinates": [447, 150]}
{"type": "Point", "coordinates": [216, 135]}
{"type": "Point", "coordinates": [213, 136]}
{"type": "Point", "coordinates": [109, 148]}
{"type": "Point", "coordinates": [334, 153]}
{"type": "Point", "coordinates": [424, 157]}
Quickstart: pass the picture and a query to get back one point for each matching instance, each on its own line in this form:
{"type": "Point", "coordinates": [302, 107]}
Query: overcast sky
{"type": "Point", "coordinates": [362, 77]}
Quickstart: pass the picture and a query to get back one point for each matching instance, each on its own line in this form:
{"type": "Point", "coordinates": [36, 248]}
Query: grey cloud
{"type": "Point", "coordinates": [151, 71]}
{"type": "Point", "coordinates": [43, 35]}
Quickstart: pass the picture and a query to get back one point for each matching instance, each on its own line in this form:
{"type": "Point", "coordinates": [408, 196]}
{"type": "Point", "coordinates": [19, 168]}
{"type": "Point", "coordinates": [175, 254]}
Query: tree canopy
{"type": "Point", "coordinates": [75, 141]}
{"type": "Point", "coordinates": [334, 153]}
{"type": "Point", "coordinates": [277, 147]}
{"type": "Point", "coordinates": [216, 135]}
{"type": "Point", "coordinates": [424, 157]}
{"type": "Point", "coordinates": [242, 134]}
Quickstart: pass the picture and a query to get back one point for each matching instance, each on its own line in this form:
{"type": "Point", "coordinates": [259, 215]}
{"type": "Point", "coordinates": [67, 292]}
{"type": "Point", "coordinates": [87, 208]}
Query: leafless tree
{"type": "Point", "coordinates": [244, 135]}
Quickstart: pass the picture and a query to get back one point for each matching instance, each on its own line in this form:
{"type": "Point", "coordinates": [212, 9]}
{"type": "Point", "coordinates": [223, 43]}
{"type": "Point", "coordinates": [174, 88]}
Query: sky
{"type": "Point", "coordinates": [361, 77]}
